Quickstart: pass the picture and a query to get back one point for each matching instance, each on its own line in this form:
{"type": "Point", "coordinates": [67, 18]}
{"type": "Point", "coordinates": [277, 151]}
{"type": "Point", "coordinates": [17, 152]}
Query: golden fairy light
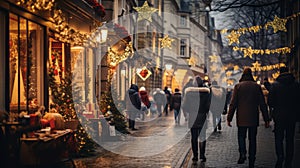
{"type": "Point", "coordinates": [145, 12]}
{"type": "Point", "coordinates": [166, 42]}
{"type": "Point", "coordinates": [214, 58]}
{"type": "Point", "coordinates": [115, 57]}
{"type": "Point", "coordinates": [36, 4]}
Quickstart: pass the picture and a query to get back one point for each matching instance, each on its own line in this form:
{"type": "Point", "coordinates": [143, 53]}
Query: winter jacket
{"type": "Point", "coordinates": [159, 97]}
{"type": "Point", "coordinates": [247, 97]}
{"type": "Point", "coordinates": [145, 98]}
{"type": "Point", "coordinates": [218, 99]}
{"type": "Point", "coordinates": [133, 102]}
{"type": "Point", "coordinates": [284, 99]}
{"type": "Point", "coordinates": [176, 101]}
{"type": "Point", "coordinates": [196, 102]}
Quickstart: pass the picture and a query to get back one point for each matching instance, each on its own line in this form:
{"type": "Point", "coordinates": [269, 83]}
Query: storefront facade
{"type": "Point", "coordinates": [32, 46]}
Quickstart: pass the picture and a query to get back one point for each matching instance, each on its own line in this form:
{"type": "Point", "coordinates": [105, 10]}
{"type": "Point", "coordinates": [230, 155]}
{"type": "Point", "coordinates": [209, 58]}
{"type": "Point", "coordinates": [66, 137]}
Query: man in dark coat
{"type": "Point", "coordinates": [133, 105]}
{"type": "Point", "coordinates": [196, 103]}
{"type": "Point", "coordinates": [247, 98]}
{"type": "Point", "coordinates": [168, 96]}
{"type": "Point", "coordinates": [283, 100]}
{"type": "Point", "coordinates": [176, 105]}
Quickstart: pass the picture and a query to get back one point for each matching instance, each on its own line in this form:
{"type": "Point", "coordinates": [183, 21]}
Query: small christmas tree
{"type": "Point", "coordinates": [66, 99]}
{"type": "Point", "coordinates": [108, 104]}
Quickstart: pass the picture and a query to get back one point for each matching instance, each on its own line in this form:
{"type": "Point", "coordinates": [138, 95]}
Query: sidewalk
{"type": "Point", "coordinates": [222, 149]}
{"type": "Point", "coordinates": [148, 141]}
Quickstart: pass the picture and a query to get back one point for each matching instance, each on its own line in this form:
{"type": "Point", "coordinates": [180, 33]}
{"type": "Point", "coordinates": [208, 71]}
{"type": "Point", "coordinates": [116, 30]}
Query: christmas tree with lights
{"type": "Point", "coordinates": [67, 100]}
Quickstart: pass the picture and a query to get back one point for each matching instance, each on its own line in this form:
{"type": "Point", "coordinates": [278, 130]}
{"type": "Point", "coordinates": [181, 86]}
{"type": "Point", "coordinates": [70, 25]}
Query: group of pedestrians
{"type": "Point", "coordinates": [281, 100]}
{"type": "Point", "coordinates": [246, 101]}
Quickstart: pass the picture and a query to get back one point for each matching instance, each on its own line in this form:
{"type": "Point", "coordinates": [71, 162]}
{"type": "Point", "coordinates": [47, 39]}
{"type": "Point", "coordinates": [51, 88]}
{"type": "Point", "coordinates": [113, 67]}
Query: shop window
{"type": "Point", "coordinates": [26, 64]}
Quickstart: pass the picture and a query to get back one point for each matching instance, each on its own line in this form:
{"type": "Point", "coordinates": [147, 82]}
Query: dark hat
{"type": "Point", "coordinates": [247, 71]}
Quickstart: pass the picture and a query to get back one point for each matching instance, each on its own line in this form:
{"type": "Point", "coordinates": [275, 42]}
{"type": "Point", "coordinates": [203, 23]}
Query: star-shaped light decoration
{"type": "Point", "coordinates": [166, 42]}
{"type": "Point", "coordinates": [248, 52]}
{"type": "Point", "coordinates": [213, 58]}
{"type": "Point", "coordinates": [279, 24]}
{"type": "Point", "coordinates": [256, 65]}
{"type": "Point", "coordinates": [228, 73]}
{"type": "Point", "coordinates": [233, 37]}
{"type": "Point", "coordinates": [236, 67]}
{"type": "Point", "coordinates": [213, 68]}
{"type": "Point", "coordinates": [143, 73]}
{"type": "Point", "coordinates": [224, 80]}
{"type": "Point", "coordinates": [145, 12]}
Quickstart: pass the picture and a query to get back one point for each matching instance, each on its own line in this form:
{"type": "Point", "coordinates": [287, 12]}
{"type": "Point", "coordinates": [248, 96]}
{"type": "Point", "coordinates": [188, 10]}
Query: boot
{"type": "Point", "coordinates": [251, 163]}
{"type": "Point", "coordinates": [202, 151]}
{"type": "Point", "coordinates": [242, 159]}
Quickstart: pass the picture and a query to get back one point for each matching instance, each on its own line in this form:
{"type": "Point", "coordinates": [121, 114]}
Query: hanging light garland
{"type": "Point", "coordinates": [278, 24]}
{"type": "Point", "coordinates": [248, 52]}
{"type": "Point", "coordinates": [34, 5]}
{"type": "Point", "coordinates": [115, 57]}
{"type": "Point", "coordinates": [257, 66]}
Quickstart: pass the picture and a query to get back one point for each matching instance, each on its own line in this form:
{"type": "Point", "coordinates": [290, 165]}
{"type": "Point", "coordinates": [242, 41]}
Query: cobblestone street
{"type": "Point", "coordinates": [222, 149]}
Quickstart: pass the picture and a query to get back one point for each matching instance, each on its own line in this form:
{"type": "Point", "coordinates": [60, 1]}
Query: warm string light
{"type": "Point", "coordinates": [257, 66]}
{"type": "Point", "coordinates": [115, 58]}
{"type": "Point", "coordinates": [248, 52]}
{"type": "Point", "coordinates": [65, 32]}
{"type": "Point", "coordinates": [34, 5]}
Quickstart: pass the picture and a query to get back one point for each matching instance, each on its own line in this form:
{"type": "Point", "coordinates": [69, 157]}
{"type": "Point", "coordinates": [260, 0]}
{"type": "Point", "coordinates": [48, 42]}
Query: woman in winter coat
{"type": "Point", "coordinates": [196, 103]}
{"type": "Point", "coordinates": [145, 101]}
{"type": "Point", "coordinates": [133, 105]}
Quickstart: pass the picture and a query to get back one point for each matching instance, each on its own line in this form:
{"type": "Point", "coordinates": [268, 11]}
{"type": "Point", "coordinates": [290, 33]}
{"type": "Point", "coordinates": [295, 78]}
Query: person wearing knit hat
{"type": "Point", "coordinates": [246, 100]}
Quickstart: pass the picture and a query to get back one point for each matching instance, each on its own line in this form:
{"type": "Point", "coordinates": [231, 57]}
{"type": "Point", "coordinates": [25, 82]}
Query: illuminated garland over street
{"type": "Point", "coordinates": [248, 52]}
{"type": "Point", "coordinates": [278, 24]}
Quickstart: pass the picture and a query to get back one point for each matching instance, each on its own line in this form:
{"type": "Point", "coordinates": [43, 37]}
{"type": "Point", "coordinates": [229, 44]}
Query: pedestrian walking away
{"type": "Point", "coordinates": [160, 100]}
{"type": "Point", "coordinates": [196, 103]}
{"type": "Point", "coordinates": [246, 100]}
{"type": "Point", "coordinates": [145, 102]}
{"type": "Point", "coordinates": [187, 85]}
{"type": "Point", "coordinates": [133, 105]}
{"type": "Point", "coordinates": [176, 105]}
{"type": "Point", "coordinates": [218, 103]}
{"type": "Point", "coordinates": [168, 97]}
{"type": "Point", "coordinates": [283, 100]}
